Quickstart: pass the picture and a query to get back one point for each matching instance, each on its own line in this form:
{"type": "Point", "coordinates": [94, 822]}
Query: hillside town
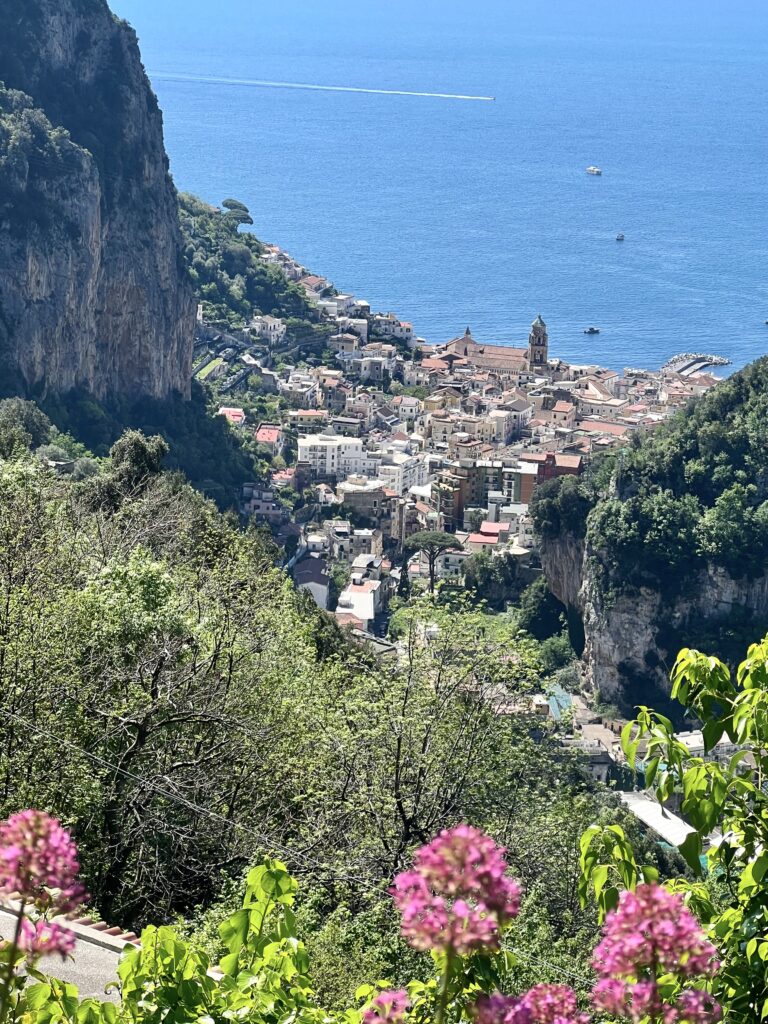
{"type": "Point", "coordinates": [380, 436]}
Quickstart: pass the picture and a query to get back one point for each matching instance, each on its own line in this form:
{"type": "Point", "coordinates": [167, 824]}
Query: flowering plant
{"type": "Point", "coordinates": [457, 900]}
{"type": "Point", "coordinates": [38, 868]}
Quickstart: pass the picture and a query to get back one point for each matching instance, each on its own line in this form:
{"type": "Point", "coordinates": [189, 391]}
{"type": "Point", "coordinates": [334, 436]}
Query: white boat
{"type": "Point", "coordinates": [620, 236]}
{"type": "Point", "coordinates": [594, 170]}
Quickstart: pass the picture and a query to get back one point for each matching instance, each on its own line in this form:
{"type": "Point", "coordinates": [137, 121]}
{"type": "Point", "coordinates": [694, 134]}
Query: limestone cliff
{"type": "Point", "coordinates": [631, 638]}
{"type": "Point", "coordinates": [93, 293]}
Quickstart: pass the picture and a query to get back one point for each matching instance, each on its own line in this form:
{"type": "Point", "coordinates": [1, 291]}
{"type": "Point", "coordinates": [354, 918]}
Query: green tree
{"type": "Point", "coordinates": [21, 424]}
{"type": "Point", "coordinates": [560, 508]}
{"type": "Point", "coordinates": [492, 578]}
{"type": "Point", "coordinates": [431, 544]}
{"type": "Point", "coordinates": [723, 799]}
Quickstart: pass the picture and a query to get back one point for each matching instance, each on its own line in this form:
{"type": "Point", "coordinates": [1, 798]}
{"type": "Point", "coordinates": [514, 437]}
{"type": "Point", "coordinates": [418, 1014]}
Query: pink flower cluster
{"type": "Point", "coordinates": [42, 938]}
{"type": "Point", "coordinates": [38, 860]}
{"type": "Point", "coordinates": [387, 1008]}
{"type": "Point", "coordinates": [643, 1000]}
{"type": "Point", "coordinates": [554, 1004]}
{"type": "Point", "coordinates": [458, 895]}
{"type": "Point", "coordinates": [544, 1004]}
{"type": "Point", "coordinates": [652, 933]}
{"type": "Point", "coordinates": [499, 1009]}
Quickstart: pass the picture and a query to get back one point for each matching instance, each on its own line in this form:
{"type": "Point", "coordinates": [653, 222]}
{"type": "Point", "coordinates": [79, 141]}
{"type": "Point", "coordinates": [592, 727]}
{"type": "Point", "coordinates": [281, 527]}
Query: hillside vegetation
{"type": "Point", "coordinates": [230, 280]}
{"type": "Point", "coordinates": [693, 492]}
{"type": "Point", "coordinates": [168, 694]}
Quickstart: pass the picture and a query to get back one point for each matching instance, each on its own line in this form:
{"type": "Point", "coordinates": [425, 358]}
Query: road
{"type": "Point", "coordinates": [92, 967]}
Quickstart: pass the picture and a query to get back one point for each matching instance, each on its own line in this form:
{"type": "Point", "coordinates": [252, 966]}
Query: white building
{"type": "Point", "coordinates": [401, 471]}
{"type": "Point", "coordinates": [300, 390]}
{"type": "Point", "coordinates": [361, 601]}
{"type": "Point", "coordinates": [337, 456]}
{"type": "Point", "coordinates": [271, 328]}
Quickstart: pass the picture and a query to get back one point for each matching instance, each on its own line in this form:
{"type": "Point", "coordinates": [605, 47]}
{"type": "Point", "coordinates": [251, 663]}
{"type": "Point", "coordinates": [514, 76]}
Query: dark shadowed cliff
{"type": "Point", "coordinates": [666, 545]}
{"type": "Point", "coordinates": [93, 292]}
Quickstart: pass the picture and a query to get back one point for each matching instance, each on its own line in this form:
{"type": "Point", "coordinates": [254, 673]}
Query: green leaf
{"type": "Point", "coordinates": [234, 931]}
{"type": "Point", "coordinates": [690, 850]}
{"type": "Point", "coordinates": [36, 996]}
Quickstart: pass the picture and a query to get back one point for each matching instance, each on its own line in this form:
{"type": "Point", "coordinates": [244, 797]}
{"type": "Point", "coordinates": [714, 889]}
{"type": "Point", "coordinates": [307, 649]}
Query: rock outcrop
{"type": "Point", "coordinates": [632, 638]}
{"type": "Point", "coordinates": [93, 291]}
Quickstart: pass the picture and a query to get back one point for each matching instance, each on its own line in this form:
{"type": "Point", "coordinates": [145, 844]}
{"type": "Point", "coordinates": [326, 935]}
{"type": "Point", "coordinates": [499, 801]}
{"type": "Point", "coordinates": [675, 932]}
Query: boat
{"type": "Point", "coordinates": [594, 170]}
{"type": "Point", "coordinates": [620, 236]}
{"type": "Point", "coordinates": [591, 330]}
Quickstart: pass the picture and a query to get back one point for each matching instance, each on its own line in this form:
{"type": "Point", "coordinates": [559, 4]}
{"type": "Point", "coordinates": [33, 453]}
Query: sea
{"type": "Point", "coordinates": [444, 177]}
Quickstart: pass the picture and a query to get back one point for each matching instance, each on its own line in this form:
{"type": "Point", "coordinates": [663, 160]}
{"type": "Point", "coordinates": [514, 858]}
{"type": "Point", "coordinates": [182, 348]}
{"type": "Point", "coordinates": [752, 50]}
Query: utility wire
{"type": "Point", "coordinates": [262, 839]}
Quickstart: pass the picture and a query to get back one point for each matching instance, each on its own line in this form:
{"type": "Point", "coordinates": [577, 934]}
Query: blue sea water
{"type": "Point", "coordinates": [456, 212]}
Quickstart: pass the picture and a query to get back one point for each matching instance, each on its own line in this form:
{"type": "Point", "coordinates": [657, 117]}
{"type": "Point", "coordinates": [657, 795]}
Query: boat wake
{"type": "Point", "coordinates": [258, 83]}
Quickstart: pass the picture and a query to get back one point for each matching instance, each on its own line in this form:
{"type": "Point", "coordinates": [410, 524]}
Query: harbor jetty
{"type": "Point", "coordinates": [689, 363]}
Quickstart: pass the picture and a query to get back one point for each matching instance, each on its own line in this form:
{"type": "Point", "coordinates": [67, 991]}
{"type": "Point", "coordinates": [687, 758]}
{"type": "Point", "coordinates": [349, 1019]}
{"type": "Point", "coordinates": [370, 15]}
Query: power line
{"type": "Point", "coordinates": [262, 839]}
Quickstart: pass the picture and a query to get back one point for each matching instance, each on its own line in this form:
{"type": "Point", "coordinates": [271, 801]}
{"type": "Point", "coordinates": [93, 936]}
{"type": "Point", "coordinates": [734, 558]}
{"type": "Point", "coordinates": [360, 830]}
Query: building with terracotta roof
{"type": "Point", "coordinates": [553, 464]}
{"type": "Point", "coordinates": [505, 360]}
{"type": "Point", "coordinates": [232, 414]}
{"type": "Point", "coordinates": [271, 436]}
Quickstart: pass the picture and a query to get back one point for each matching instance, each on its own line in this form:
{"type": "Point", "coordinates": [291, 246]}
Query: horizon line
{"type": "Point", "coordinates": [181, 76]}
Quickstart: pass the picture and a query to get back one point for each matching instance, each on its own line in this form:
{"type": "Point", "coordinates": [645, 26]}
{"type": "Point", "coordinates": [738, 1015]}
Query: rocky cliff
{"type": "Point", "coordinates": [631, 637]}
{"type": "Point", "coordinates": [93, 293]}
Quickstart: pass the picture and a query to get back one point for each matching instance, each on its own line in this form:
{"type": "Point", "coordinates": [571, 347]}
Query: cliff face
{"type": "Point", "coordinates": [93, 293]}
{"type": "Point", "coordinates": [627, 636]}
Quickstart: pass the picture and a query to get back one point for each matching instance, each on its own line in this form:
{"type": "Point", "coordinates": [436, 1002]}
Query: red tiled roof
{"type": "Point", "coordinates": [231, 413]}
{"type": "Point", "coordinates": [494, 529]}
{"type": "Point", "coordinates": [568, 461]}
{"type": "Point", "coordinates": [481, 538]}
{"type": "Point", "coordinates": [600, 427]}
{"type": "Point", "coordinates": [268, 435]}
{"type": "Point", "coordinates": [348, 619]}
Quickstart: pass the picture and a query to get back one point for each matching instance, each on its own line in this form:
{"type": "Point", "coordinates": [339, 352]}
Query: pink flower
{"type": "Point", "coordinates": [610, 995]}
{"type": "Point", "coordinates": [554, 1004]}
{"type": "Point", "coordinates": [457, 896]}
{"type": "Point", "coordinates": [39, 861]}
{"type": "Point", "coordinates": [387, 1008]}
{"type": "Point", "coordinates": [652, 931]}
{"type": "Point", "coordinates": [696, 1007]}
{"type": "Point", "coordinates": [499, 1009]}
{"type": "Point", "coordinates": [41, 938]}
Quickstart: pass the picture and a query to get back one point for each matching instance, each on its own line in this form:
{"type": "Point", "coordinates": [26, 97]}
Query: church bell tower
{"type": "Point", "coordinates": [538, 345]}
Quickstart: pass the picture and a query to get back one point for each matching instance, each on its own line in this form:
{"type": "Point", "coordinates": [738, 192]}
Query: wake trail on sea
{"type": "Point", "coordinates": [257, 83]}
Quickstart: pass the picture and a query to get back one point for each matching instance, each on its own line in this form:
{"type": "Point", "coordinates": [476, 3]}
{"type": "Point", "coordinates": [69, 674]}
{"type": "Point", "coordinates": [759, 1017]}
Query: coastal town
{"type": "Point", "coordinates": [376, 436]}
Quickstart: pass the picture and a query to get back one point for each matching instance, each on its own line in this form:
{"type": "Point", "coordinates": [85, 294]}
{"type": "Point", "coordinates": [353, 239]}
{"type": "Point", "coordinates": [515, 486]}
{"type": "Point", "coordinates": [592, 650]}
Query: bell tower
{"type": "Point", "coordinates": [538, 345]}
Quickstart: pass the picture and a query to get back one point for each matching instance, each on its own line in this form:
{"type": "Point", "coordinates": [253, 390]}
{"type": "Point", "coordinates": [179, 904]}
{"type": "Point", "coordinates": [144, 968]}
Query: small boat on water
{"type": "Point", "coordinates": [620, 236]}
{"type": "Point", "coordinates": [591, 330]}
{"type": "Point", "coordinates": [594, 170]}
